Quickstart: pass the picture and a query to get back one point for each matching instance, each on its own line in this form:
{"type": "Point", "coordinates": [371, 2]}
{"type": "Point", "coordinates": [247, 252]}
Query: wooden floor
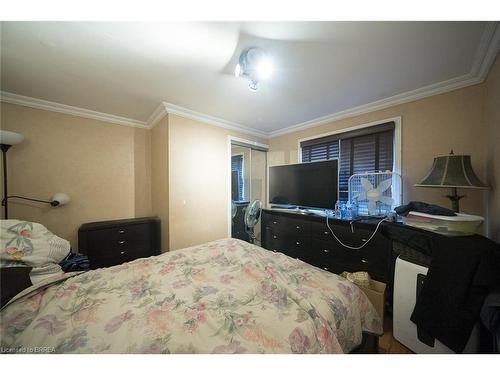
{"type": "Point", "coordinates": [387, 344]}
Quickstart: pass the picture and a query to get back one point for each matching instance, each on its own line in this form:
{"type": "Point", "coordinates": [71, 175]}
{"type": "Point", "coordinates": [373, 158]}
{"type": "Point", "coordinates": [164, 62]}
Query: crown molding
{"type": "Point", "coordinates": [211, 120]}
{"type": "Point", "coordinates": [156, 116]}
{"type": "Point", "coordinates": [409, 96]}
{"type": "Point", "coordinates": [484, 58]}
{"type": "Point", "coordinates": [487, 50]}
{"type": "Point", "coordinates": [46, 105]}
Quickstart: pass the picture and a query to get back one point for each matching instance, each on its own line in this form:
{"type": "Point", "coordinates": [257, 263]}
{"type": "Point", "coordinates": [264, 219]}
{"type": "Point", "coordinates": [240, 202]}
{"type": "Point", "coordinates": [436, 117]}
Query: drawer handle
{"type": "Point", "coordinates": [122, 252]}
{"type": "Point", "coordinates": [364, 261]}
{"type": "Point", "coordinates": [297, 243]}
{"type": "Point", "coordinates": [121, 242]}
{"type": "Point", "coordinates": [326, 251]}
{"type": "Point", "coordinates": [121, 231]}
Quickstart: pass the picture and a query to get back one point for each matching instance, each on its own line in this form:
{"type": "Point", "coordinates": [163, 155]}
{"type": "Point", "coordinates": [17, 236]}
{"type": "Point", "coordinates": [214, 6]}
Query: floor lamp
{"type": "Point", "coordinates": [7, 140]}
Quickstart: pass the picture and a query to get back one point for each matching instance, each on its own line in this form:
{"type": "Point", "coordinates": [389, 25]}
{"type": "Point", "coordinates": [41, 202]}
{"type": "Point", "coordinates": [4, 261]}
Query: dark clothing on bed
{"type": "Point", "coordinates": [75, 262]}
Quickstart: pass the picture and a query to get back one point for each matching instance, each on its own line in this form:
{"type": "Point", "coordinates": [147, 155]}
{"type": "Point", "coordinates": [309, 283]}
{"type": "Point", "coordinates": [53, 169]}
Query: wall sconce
{"type": "Point", "coordinates": [7, 140]}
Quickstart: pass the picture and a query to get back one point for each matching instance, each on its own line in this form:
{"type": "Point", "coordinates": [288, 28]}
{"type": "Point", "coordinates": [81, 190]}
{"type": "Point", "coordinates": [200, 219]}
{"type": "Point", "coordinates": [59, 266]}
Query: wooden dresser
{"type": "Point", "coordinates": [108, 243]}
{"type": "Point", "coordinates": [307, 237]}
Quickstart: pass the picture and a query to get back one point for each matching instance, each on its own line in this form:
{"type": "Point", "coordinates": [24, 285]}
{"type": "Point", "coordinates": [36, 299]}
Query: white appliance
{"type": "Point", "coordinates": [376, 193]}
{"type": "Point", "coordinates": [406, 280]}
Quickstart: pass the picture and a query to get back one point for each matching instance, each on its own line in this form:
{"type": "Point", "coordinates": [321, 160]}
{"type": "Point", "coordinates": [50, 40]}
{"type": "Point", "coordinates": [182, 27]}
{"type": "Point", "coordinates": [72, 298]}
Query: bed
{"type": "Point", "coordinates": [226, 296]}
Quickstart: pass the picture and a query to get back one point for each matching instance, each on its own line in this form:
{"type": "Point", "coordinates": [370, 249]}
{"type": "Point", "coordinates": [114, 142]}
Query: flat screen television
{"type": "Point", "coordinates": [312, 184]}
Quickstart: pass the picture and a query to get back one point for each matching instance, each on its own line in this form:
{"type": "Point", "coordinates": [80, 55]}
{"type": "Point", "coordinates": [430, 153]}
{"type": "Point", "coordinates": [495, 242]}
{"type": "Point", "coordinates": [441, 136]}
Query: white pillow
{"type": "Point", "coordinates": [30, 244]}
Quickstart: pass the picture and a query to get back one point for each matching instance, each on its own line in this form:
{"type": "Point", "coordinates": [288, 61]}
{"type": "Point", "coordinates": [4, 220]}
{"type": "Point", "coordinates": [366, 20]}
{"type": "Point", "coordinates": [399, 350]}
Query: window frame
{"type": "Point", "coordinates": [397, 167]}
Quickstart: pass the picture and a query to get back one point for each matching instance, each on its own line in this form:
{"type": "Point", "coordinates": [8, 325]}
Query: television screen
{"type": "Point", "coordinates": [305, 185]}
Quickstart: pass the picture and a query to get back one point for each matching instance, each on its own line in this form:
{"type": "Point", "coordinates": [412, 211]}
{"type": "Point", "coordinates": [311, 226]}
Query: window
{"type": "Point", "coordinates": [364, 150]}
{"type": "Point", "coordinates": [237, 177]}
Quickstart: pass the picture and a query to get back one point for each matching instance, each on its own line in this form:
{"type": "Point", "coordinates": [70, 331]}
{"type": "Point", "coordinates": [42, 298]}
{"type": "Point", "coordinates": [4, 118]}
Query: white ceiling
{"type": "Point", "coordinates": [322, 68]}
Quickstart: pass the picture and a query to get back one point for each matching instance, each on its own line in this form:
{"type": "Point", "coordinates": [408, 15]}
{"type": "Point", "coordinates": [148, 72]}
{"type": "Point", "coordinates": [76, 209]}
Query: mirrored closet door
{"type": "Point", "coordinates": [248, 190]}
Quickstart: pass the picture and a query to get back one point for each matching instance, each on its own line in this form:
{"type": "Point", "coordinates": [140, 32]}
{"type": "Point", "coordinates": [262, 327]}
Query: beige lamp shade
{"type": "Point", "coordinates": [10, 138]}
{"type": "Point", "coordinates": [60, 199]}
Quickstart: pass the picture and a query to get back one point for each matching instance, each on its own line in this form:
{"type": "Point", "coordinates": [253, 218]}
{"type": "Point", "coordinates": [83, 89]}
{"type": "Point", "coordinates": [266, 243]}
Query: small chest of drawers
{"type": "Point", "coordinates": [108, 243]}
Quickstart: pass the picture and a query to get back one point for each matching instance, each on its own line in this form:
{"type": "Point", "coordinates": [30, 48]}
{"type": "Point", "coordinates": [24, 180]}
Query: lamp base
{"type": "Point", "coordinates": [455, 199]}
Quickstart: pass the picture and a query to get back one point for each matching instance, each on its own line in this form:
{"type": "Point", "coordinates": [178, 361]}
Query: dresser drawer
{"type": "Point", "coordinates": [111, 243]}
{"type": "Point", "coordinates": [328, 250]}
{"type": "Point", "coordinates": [298, 226]}
{"type": "Point", "coordinates": [295, 246]}
{"type": "Point", "coordinates": [334, 256]}
{"type": "Point", "coordinates": [283, 224]}
{"type": "Point", "coordinates": [299, 247]}
{"type": "Point", "coordinates": [128, 237]}
{"type": "Point", "coordinates": [320, 231]}
{"type": "Point", "coordinates": [275, 240]}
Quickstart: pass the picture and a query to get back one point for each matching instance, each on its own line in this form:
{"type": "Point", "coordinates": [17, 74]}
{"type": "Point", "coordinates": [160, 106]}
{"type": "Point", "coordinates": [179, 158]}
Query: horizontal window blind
{"type": "Point", "coordinates": [322, 151]}
{"type": "Point", "coordinates": [237, 166]}
{"type": "Point", "coordinates": [364, 150]}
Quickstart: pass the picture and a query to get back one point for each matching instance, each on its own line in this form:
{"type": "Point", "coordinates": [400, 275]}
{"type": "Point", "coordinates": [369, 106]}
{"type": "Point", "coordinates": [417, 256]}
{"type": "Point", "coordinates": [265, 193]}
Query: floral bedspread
{"type": "Point", "coordinates": [225, 296]}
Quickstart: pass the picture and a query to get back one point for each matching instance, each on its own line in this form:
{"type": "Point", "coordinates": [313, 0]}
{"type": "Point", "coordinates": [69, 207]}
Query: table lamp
{"type": "Point", "coordinates": [452, 171]}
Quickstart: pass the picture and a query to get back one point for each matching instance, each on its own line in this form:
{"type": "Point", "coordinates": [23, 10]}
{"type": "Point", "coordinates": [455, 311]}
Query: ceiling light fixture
{"type": "Point", "coordinates": [256, 65]}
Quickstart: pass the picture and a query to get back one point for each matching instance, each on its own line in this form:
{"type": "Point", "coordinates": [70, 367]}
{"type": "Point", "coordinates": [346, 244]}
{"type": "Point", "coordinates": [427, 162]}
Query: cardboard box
{"type": "Point", "coordinates": [376, 295]}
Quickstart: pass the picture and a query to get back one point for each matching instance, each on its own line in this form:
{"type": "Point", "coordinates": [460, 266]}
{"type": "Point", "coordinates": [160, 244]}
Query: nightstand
{"type": "Point", "coordinates": [108, 243]}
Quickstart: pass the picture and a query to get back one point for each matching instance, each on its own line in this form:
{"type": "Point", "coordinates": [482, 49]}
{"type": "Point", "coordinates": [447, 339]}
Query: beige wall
{"type": "Point", "coordinates": [430, 127]}
{"type": "Point", "coordinates": [159, 178]}
{"type": "Point", "coordinates": [104, 168]}
{"type": "Point", "coordinates": [199, 172]}
{"type": "Point", "coordinates": [492, 121]}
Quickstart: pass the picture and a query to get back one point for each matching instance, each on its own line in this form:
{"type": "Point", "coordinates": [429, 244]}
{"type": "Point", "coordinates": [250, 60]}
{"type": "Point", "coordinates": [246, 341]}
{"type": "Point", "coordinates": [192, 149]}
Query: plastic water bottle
{"type": "Point", "coordinates": [354, 208]}
{"type": "Point", "coordinates": [338, 213]}
{"type": "Point", "coordinates": [349, 214]}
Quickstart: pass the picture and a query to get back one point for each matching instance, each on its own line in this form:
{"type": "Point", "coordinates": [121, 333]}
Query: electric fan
{"type": "Point", "coordinates": [375, 193]}
{"type": "Point", "coordinates": [252, 216]}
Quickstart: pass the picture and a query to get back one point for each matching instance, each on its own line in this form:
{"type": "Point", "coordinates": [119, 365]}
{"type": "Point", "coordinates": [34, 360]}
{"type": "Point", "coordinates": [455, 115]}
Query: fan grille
{"type": "Point", "coordinates": [357, 192]}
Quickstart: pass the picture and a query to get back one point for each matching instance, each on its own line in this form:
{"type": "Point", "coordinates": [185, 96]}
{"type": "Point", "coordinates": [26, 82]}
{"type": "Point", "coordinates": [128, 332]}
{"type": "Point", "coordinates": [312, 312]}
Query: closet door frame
{"type": "Point", "coordinates": [244, 143]}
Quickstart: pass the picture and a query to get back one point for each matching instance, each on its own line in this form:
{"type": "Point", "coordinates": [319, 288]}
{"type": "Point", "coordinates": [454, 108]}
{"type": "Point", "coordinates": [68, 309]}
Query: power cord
{"type": "Point", "coordinates": [353, 247]}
